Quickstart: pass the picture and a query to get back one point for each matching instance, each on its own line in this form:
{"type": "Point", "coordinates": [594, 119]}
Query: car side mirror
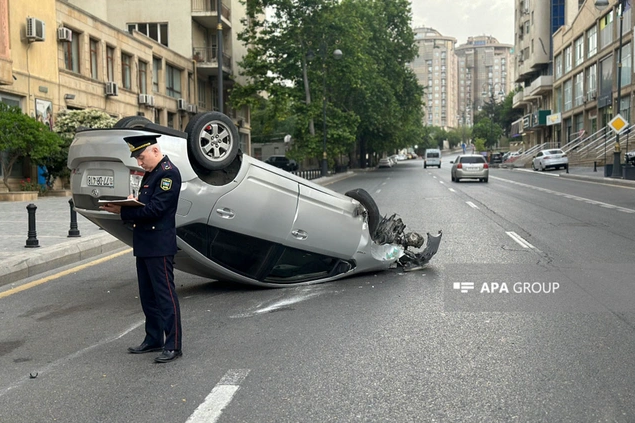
{"type": "Point", "coordinates": [451, 162]}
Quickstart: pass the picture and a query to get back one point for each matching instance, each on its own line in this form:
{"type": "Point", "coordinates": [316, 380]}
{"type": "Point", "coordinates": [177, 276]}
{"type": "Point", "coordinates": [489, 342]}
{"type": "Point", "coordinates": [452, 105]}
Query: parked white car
{"type": "Point", "coordinates": [553, 158]}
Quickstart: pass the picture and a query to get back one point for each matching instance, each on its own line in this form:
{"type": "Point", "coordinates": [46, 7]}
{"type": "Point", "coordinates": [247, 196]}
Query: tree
{"type": "Point", "coordinates": [488, 130]}
{"type": "Point", "coordinates": [22, 136]}
{"type": "Point", "coordinates": [66, 125]}
{"type": "Point", "coordinates": [373, 101]}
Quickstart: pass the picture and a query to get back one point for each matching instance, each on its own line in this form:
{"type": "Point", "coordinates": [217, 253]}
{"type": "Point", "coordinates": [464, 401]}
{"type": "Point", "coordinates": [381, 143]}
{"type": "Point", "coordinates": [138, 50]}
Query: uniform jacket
{"type": "Point", "coordinates": [154, 232]}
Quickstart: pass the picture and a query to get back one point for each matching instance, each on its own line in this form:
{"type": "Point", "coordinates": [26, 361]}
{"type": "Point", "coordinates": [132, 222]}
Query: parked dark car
{"type": "Point", "coordinates": [630, 157]}
{"type": "Point", "coordinates": [282, 162]}
{"type": "Point", "coordinates": [496, 158]}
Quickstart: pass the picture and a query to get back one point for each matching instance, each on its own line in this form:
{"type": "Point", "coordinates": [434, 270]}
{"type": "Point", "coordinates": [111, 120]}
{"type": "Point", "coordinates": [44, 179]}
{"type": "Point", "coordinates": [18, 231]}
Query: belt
{"type": "Point", "coordinates": [151, 227]}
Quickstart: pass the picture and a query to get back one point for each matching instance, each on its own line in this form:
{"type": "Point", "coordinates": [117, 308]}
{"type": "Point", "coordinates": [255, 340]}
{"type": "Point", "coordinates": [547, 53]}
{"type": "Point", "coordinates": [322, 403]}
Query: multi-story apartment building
{"type": "Point", "coordinates": [55, 55]}
{"type": "Point", "coordinates": [535, 24]}
{"type": "Point", "coordinates": [436, 70]}
{"type": "Point", "coordinates": [586, 56]}
{"type": "Point", "coordinates": [485, 73]}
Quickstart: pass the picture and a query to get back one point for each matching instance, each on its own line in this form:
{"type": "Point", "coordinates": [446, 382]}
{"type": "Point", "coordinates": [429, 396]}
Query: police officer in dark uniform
{"type": "Point", "coordinates": [154, 246]}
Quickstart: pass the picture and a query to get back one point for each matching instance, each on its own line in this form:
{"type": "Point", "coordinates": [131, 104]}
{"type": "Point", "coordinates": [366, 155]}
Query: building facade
{"type": "Point", "coordinates": [535, 24]}
{"type": "Point", "coordinates": [56, 55]}
{"type": "Point", "coordinates": [436, 70]}
{"type": "Point", "coordinates": [587, 72]}
{"type": "Point", "coordinates": [485, 73]}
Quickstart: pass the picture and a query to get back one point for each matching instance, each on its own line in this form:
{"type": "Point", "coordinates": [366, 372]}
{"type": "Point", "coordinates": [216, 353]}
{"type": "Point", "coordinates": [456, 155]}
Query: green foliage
{"type": "Point", "coordinates": [479, 145]}
{"type": "Point", "coordinates": [488, 130]}
{"type": "Point", "coordinates": [373, 99]}
{"type": "Point", "coordinates": [66, 125]}
{"type": "Point", "coordinates": [22, 136]}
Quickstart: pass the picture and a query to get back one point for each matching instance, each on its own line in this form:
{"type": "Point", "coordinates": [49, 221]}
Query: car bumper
{"type": "Point", "coordinates": [478, 174]}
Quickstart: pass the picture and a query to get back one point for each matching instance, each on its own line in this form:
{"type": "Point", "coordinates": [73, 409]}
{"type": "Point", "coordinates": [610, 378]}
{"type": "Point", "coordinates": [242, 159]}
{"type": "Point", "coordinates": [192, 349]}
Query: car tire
{"type": "Point", "coordinates": [533, 166]}
{"type": "Point", "coordinates": [132, 122]}
{"type": "Point", "coordinates": [212, 140]}
{"type": "Point", "coordinates": [369, 204]}
{"type": "Point", "coordinates": [424, 166]}
{"type": "Point", "coordinates": [485, 180]}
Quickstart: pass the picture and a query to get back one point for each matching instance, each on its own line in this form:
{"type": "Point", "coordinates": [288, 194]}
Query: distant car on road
{"type": "Point", "coordinates": [385, 162]}
{"type": "Point", "coordinates": [553, 158]}
{"type": "Point", "coordinates": [470, 166]}
{"type": "Point", "coordinates": [282, 162]}
{"type": "Point", "coordinates": [496, 157]}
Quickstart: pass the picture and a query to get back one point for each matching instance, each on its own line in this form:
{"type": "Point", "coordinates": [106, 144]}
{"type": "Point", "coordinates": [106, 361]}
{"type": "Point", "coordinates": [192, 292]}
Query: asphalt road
{"type": "Point", "coordinates": [549, 339]}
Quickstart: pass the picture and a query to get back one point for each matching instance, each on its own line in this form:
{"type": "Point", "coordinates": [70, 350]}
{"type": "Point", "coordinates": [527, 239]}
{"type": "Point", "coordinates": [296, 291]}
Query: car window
{"type": "Point", "coordinates": [539, 154]}
{"type": "Point", "coordinates": [555, 152]}
{"type": "Point", "coordinates": [434, 155]}
{"type": "Point", "coordinates": [472, 159]}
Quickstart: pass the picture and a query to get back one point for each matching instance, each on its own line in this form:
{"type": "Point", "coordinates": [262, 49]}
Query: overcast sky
{"type": "Point", "coordinates": [464, 18]}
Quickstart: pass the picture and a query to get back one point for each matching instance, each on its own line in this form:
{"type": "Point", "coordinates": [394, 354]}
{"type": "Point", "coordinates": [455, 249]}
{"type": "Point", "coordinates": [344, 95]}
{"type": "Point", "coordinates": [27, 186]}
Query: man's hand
{"type": "Point", "coordinates": [112, 208]}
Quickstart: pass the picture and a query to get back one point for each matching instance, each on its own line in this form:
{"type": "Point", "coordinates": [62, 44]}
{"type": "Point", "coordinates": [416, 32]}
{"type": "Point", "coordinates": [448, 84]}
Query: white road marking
{"type": "Point", "coordinates": [383, 184]}
{"type": "Point", "coordinates": [378, 191]}
{"type": "Point", "coordinates": [434, 177]}
{"type": "Point", "coordinates": [451, 189]}
{"type": "Point", "coordinates": [474, 206]}
{"type": "Point", "coordinates": [442, 182]}
{"type": "Point", "coordinates": [570, 196]}
{"type": "Point", "coordinates": [523, 243]}
{"type": "Point", "coordinates": [211, 409]}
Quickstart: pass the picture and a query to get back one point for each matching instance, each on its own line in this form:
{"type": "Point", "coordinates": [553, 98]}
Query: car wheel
{"type": "Point", "coordinates": [132, 122]}
{"type": "Point", "coordinates": [371, 207]}
{"type": "Point", "coordinates": [424, 166]}
{"type": "Point", "coordinates": [485, 180]}
{"type": "Point", "coordinates": [542, 167]}
{"type": "Point", "coordinates": [533, 166]}
{"type": "Point", "coordinates": [212, 140]}
{"type": "Point", "coordinates": [452, 176]}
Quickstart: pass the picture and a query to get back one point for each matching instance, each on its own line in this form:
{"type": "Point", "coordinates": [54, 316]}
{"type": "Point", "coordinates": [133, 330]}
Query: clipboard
{"type": "Point", "coordinates": [128, 202]}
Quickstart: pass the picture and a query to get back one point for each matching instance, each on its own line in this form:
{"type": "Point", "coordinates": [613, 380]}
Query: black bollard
{"type": "Point", "coordinates": [567, 167]}
{"type": "Point", "coordinates": [595, 166]}
{"type": "Point", "coordinates": [73, 231]}
{"type": "Point", "coordinates": [32, 241]}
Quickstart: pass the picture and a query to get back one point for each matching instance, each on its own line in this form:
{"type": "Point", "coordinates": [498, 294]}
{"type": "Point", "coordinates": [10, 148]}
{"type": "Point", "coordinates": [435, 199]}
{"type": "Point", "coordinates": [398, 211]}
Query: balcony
{"type": "Point", "coordinates": [541, 85]}
{"type": "Point", "coordinates": [204, 12]}
{"type": "Point", "coordinates": [519, 99]}
{"type": "Point", "coordinates": [207, 61]}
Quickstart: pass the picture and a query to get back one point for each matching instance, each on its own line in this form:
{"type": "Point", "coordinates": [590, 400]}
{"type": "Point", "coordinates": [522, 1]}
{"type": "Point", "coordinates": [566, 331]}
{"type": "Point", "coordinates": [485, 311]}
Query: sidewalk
{"type": "Point", "coordinates": [586, 173]}
{"type": "Point", "coordinates": [52, 218]}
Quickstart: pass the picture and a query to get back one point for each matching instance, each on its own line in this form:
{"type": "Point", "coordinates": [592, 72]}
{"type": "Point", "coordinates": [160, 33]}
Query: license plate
{"type": "Point", "coordinates": [101, 181]}
{"type": "Point", "coordinates": [471, 168]}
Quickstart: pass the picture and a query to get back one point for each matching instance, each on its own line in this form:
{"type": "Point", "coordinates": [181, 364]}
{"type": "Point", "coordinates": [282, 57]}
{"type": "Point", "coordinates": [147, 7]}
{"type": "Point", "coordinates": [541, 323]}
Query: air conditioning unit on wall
{"type": "Point", "coordinates": [192, 108]}
{"type": "Point", "coordinates": [112, 89]}
{"type": "Point", "coordinates": [146, 99]}
{"type": "Point", "coordinates": [35, 30]}
{"type": "Point", "coordinates": [181, 104]}
{"type": "Point", "coordinates": [64, 34]}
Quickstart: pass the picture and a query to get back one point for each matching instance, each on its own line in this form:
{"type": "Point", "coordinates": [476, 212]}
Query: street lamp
{"type": "Point", "coordinates": [602, 4]}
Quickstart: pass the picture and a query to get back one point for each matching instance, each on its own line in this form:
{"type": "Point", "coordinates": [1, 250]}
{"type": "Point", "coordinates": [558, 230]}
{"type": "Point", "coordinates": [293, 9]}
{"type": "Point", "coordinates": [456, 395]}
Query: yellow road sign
{"type": "Point", "coordinates": [618, 124]}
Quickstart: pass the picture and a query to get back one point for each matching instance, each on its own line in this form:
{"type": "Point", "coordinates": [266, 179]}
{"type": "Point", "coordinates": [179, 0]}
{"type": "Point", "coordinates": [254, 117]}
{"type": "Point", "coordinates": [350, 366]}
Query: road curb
{"type": "Point", "coordinates": [600, 180]}
{"type": "Point", "coordinates": [49, 258]}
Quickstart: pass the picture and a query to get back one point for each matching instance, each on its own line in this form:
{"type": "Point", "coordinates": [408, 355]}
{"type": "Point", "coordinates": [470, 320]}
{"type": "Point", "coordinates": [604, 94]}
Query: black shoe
{"type": "Point", "coordinates": [168, 355]}
{"type": "Point", "coordinates": [144, 348]}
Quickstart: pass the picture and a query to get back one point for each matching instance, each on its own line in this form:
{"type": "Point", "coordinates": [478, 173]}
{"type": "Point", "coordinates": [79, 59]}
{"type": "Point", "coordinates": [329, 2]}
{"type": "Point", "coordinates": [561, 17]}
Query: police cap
{"type": "Point", "coordinates": [138, 143]}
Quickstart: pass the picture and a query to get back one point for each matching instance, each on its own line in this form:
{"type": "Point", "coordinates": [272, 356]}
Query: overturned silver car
{"type": "Point", "coordinates": [240, 219]}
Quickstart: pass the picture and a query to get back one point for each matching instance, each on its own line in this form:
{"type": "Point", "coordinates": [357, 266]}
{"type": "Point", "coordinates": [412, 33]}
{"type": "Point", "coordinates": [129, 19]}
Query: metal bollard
{"type": "Point", "coordinates": [595, 166]}
{"type": "Point", "coordinates": [32, 241]}
{"type": "Point", "coordinates": [73, 231]}
{"type": "Point", "coordinates": [567, 167]}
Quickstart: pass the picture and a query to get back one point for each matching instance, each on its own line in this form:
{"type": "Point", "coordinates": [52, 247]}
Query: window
{"type": "Point", "coordinates": [172, 81]}
{"type": "Point", "coordinates": [558, 100]}
{"type": "Point", "coordinates": [567, 59]}
{"type": "Point", "coordinates": [568, 95]}
{"type": "Point", "coordinates": [202, 94]}
{"type": "Point", "coordinates": [171, 117]}
{"type": "Point", "coordinates": [606, 29]}
{"type": "Point", "coordinates": [94, 58]}
{"type": "Point", "coordinates": [110, 63]}
{"type": "Point", "coordinates": [71, 54]}
{"type": "Point", "coordinates": [143, 77]}
{"type": "Point", "coordinates": [592, 41]}
{"type": "Point", "coordinates": [558, 66]}
{"type": "Point", "coordinates": [578, 89]}
{"type": "Point", "coordinates": [157, 31]}
{"type": "Point", "coordinates": [579, 51]}
{"type": "Point", "coordinates": [578, 126]}
{"type": "Point", "coordinates": [156, 69]}
{"type": "Point", "coordinates": [627, 65]}
{"type": "Point", "coordinates": [157, 116]}
{"type": "Point", "coordinates": [591, 79]}
{"type": "Point", "coordinates": [126, 61]}
{"type": "Point", "coordinates": [606, 77]}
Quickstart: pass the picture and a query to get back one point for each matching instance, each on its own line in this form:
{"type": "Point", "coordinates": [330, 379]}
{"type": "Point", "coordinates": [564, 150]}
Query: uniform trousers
{"type": "Point", "coordinates": [159, 301]}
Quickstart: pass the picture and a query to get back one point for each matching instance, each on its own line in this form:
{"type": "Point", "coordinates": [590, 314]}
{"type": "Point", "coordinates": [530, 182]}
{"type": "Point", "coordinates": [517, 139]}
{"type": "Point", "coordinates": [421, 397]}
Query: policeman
{"type": "Point", "coordinates": [154, 246]}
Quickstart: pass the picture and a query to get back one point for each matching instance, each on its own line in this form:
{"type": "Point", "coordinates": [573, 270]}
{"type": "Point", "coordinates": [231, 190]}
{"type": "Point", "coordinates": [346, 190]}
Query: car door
{"type": "Point", "coordinates": [326, 224]}
{"type": "Point", "coordinates": [263, 205]}
{"type": "Point", "coordinates": [538, 160]}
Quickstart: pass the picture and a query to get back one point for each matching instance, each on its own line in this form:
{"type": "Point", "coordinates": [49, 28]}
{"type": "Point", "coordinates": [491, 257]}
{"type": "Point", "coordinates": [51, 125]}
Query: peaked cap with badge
{"type": "Point", "coordinates": [138, 143]}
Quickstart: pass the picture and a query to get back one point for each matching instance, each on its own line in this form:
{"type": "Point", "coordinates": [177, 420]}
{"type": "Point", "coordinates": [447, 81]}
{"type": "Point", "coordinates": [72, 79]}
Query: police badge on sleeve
{"type": "Point", "coordinates": [166, 184]}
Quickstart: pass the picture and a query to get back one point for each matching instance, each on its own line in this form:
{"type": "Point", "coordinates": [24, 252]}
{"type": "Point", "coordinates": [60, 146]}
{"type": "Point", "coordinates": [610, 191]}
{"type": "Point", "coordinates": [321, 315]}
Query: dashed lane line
{"type": "Point", "coordinates": [212, 407]}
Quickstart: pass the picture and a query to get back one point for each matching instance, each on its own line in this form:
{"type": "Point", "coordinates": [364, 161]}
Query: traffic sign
{"type": "Point", "coordinates": [618, 124]}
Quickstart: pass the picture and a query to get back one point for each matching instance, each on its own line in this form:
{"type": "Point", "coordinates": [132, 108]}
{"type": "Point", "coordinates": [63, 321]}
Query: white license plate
{"type": "Point", "coordinates": [472, 168]}
{"type": "Point", "coordinates": [101, 181]}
